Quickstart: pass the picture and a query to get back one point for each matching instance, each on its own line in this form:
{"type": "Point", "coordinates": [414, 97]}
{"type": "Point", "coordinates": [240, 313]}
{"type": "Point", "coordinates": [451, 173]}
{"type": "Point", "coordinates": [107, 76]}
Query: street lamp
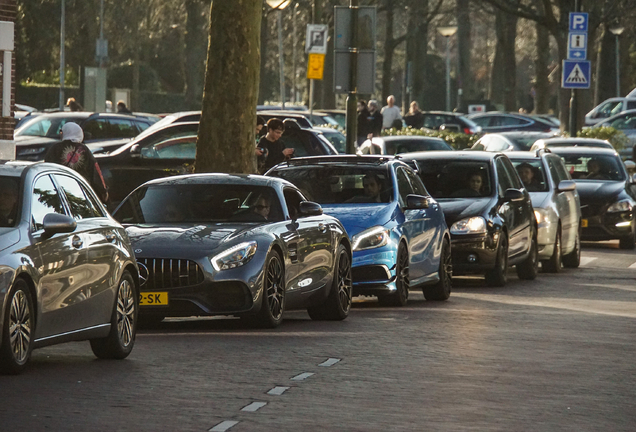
{"type": "Point", "coordinates": [280, 5]}
{"type": "Point", "coordinates": [617, 31]}
{"type": "Point", "coordinates": [447, 32]}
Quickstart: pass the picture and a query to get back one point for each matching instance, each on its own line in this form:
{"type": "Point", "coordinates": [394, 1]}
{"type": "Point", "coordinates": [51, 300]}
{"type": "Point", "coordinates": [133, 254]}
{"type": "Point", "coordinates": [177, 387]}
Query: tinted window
{"type": "Point", "coordinates": [340, 184]}
{"type": "Point", "coordinates": [174, 148]}
{"type": "Point", "coordinates": [504, 180]}
{"type": "Point", "coordinates": [510, 121]}
{"type": "Point", "coordinates": [631, 105]}
{"type": "Point", "coordinates": [454, 178]}
{"type": "Point", "coordinates": [293, 200]}
{"type": "Point", "coordinates": [200, 203]}
{"type": "Point", "coordinates": [396, 146]}
{"type": "Point", "coordinates": [481, 121]}
{"type": "Point", "coordinates": [45, 200]}
{"type": "Point", "coordinates": [416, 183]}
{"type": "Point", "coordinates": [338, 140]}
{"type": "Point", "coordinates": [9, 197]}
{"type": "Point", "coordinates": [96, 129]}
{"type": "Point", "coordinates": [512, 173]}
{"type": "Point", "coordinates": [81, 206]}
{"type": "Point", "coordinates": [627, 121]}
{"type": "Point", "coordinates": [122, 128]}
{"type": "Point", "coordinates": [404, 186]}
{"type": "Point", "coordinates": [561, 170]}
{"type": "Point", "coordinates": [533, 174]}
{"type": "Point", "coordinates": [594, 167]}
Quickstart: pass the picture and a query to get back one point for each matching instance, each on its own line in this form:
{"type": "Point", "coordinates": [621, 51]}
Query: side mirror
{"type": "Point", "coordinates": [416, 202]}
{"type": "Point", "coordinates": [55, 223]}
{"type": "Point", "coordinates": [566, 186]}
{"type": "Point", "coordinates": [514, 195]}
{"type": "Point", "coordinates": [135, 151]}
{"type": "Point", "coordinates": [308, 208]}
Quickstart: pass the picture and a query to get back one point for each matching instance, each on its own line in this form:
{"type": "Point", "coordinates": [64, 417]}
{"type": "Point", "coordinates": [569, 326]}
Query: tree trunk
{"type": "Point", "coordinates": [262, 90]}
{"type": "Point", "coordinates": [542, 85]}
{"type": "Point", "coordinates": [464, 78]}
{"type": "Point", "coordinates": [194, 53]}
{"type": "Point", "coordinates": [226, 138]}
{"type": "Point", "coordinates": [503, 79]}
{"type": "Point", "coordinates": [389, 47]}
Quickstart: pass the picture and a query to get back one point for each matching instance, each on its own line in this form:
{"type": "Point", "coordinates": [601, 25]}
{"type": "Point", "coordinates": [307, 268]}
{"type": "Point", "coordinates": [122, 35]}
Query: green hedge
{"type": "Point", "coordinates": [458, 141]}
{"type": "Point", "coordinates": [618, 139]}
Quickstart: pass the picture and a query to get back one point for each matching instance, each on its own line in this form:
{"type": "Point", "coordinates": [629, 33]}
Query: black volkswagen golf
{"type": "Point", "coordinates": [488, 210]}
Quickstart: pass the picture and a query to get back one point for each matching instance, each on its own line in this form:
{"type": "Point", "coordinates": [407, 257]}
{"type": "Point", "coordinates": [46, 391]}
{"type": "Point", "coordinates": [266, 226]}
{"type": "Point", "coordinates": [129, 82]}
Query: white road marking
{"type": "Point", "coordinates": [254, 406]}
{"type": "Point", "coordinates": [586, 260]}
{"type": "Point", "coordinates": [277, 391]}
{"type": "Point", "coordinates": [330, 362]}
{"type": "Point", "coordinates": [633, 266]}
{"type": "Point", "coordinates": [223, 426]}
{"type": "Point", "coordinates": [302, 376]}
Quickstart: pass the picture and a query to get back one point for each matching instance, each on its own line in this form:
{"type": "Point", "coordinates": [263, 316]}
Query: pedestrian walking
{"type": "Point", "coordinates": [390, 113]}
{"type": "Point", "coordinates": [415, 117]}
{"type": "Point", "coordinates": [122, 108]}
{"type": "Point", "coordinates": [374, 119]}
{"type": "Point", "coordinates": [273, 150]}
{"type": "Point", "coordinates": [364, 132]}
{"type": "Point", "coordinates": [73, 153]}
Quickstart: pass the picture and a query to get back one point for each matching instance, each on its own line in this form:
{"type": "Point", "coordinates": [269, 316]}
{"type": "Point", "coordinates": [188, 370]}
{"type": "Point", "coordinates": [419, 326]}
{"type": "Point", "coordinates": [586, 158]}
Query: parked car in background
{"type": "Point", "coordinates": [449, 121]}
{"type": "Point", "coordinates": [609, 108]}
{"type": "Point", "coordinates": [339, 115]}
{"type": "Point", "coordinates": [68, 270]}
{"type": "Point", "coordinates": [496, 122]}
{"type": "Point", "coordinates": [302, 120]}
{"type": "Point", "coordinates": [335, 137]}
{"type": "Point", "coordinates": [509, 141]}
{"type": "Point", "coordinates": [570, 142]}
{"type": "Point", "coordinates": [398, 234]}
{"type": "Point", "coordinates": [607, 193]}
{"type": "Point", "coordinates": [488, 210]}
{"type": "Point", "coordinates": [556, 207]}
{"type": "Point", "coordinates": [178, 117]}
{"type": "Point", "coordinates": [288, 107]}
{"type": "Point", "coordinates": [22, 112]}
{"type": "Point", "coordinates": [172, 150]}
{"type": "Point", "coordinates": [624, 122]}
{"type": "Point", "coordinates": [392, 145]}
{"type": "Point", "coordinates": [218, 244]}
{"type": "Point", "coordinates": [37, 135]}
{"type": "Point", "coordinates": [548, 118]}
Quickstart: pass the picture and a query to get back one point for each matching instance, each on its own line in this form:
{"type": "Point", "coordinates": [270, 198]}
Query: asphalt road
{"type": "Point", "coordinates": [555, 354]}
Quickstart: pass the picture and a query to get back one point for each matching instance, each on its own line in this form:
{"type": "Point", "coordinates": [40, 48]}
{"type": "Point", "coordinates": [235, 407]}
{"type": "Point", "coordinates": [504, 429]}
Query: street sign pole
{"type": "Point", "coordinates": [576, 70]}
{"type": "Point", "coordinates": [352, 98]}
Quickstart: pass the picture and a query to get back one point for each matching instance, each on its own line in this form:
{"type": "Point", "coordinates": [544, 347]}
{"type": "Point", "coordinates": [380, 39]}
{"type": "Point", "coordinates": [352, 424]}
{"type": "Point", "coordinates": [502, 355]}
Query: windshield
{"type": "Point", "coordinates": [200, 203]}
{"type": "Point", "coordinates": [323, 119]}
{"type": "Point", "coordinates": [594, 167]}
{"type": "Point", "coordinates": [455, 179]}
{"type": "Point", "coordinates": [341, 184]}
{"type": "Point", "coordinates": [523, 143]}
{"type": "Point", "coordinates": [45, 126]}
{"type": "Point", "coordinates": [337, 139]}
{"type": "Point", "coordinates": [396, 146]}
{"type": "Point", "coordinates": [532, 174]}
{"type": "Point", "coordinates": [9, 192]}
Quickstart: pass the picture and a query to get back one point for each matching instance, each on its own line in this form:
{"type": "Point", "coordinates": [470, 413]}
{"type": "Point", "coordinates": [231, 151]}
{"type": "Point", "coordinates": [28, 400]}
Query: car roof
{"type": "Point", "coordinates": [566, 140]}
{"type": "Point", "coordinates": [219, 178]}
{"type": "Point", "coordinates": [527, 155]}
{"type": "Point", "coordinates": [341, 159]}
{"type": "Point", "coordinates": [584, 151]}
{"type": "Point", "coordinates": [13, 168]}
{"type": "Point", "coordinates": [408, 138]}
{"type": "Point", "coordinates": [523, 133]}
{"type": "Point", "coordinates": [438, 154]}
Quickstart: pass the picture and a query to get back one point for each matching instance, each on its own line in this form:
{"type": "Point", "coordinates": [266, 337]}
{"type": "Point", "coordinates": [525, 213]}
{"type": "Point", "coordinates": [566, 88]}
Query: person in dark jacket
{"type": "Point", "coordinates": [415, 117]}
{"type": "Point", "coordinates": [122, 108]}
{"type": "Point", "coordinates": [72, 153]}
{"type": "Point", "coordinates": [375, 119]}
{"type": "Point", "coordinates": [363, 122]}
{"type": "Point", "coordinates": [272, 149]}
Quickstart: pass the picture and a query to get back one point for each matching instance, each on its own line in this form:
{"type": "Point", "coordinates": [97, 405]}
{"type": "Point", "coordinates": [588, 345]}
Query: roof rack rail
{"type": "Point", "coordinates": [349, 159]}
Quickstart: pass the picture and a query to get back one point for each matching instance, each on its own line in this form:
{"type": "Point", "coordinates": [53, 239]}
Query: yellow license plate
{"type": "Point", "coordinates": [584, 223]}
{"type": "Point", "coordinates": [153, 299]}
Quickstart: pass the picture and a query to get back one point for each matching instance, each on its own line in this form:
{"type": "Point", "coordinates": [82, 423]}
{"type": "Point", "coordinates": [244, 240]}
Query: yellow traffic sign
{"type": "Point", "coordinates": [315, 66]}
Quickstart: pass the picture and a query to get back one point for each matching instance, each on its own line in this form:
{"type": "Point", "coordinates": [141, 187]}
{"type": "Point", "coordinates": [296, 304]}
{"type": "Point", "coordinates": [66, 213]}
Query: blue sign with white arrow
{"type": "Point", "coordinates": [576, 74]}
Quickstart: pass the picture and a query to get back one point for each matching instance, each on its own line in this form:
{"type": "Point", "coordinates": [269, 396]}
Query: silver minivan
{"type": "Point", "coordinates": [556, 207]}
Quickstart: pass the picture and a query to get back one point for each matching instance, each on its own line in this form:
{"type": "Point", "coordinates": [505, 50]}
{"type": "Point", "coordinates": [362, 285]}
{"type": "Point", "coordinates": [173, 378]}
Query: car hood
{"type": "Point", "coordinates": [150, 240]}
{"type": "Point", "coordinates": [8, 237]}
{"type": "Point", "coordinates": [599, 192]}
{"type": "Point", "coordinates": [456, 209]}
{"type": "Point", "coordinates": [358, 217]}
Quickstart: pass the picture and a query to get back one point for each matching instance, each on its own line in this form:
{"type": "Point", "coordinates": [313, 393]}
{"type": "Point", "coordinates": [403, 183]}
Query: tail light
{"type": "Point", "coordinates": [467, 131]}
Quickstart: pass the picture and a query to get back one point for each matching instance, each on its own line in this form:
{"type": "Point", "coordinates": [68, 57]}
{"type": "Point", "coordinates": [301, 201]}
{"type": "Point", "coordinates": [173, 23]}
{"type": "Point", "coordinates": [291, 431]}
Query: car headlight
{"type": "Point", "coordinates": [371, 238]}
{"type": "Point", "coordinates": [473, 225]}
{"type": "Point", "coordinates": [620, 206]}
{"type": "Point", "coordinates": [541, 215]}
{"type": "Point", "coordinates": [235, 256]}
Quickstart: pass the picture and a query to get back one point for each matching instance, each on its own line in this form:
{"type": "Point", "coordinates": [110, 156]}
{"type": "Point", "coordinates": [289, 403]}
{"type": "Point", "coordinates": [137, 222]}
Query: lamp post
{"type": "Point", "coordinates": [279, 5]}
{"type": "Point", "coordinates": [447, 32]}
{"type": "Point", "coordinates": [617, 31]}
{"type": "Point", "coordinates": [62, 60]}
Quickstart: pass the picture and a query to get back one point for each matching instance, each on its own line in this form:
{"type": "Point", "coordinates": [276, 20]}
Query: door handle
{"type": "Point", "coordinates": [77, 242]}
{"type": "Point", "coordinates": [111, 237]}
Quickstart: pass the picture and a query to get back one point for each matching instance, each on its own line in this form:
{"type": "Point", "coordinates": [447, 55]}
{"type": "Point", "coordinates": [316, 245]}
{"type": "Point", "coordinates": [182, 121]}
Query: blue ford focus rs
{"type": "Point", "coordinates": [399, 236]}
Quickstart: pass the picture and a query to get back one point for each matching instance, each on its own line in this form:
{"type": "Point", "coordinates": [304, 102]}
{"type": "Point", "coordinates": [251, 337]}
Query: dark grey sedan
{"type": "Point", "coordinates": [226, 244]}
{"type": "Point", "coordinates": [67, 271]}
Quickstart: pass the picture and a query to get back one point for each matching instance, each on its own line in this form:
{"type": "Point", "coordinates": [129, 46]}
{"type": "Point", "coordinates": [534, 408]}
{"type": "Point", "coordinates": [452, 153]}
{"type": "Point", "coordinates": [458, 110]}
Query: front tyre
{"type": "Point", "coordinates": [402, 281]}
{"type": "Point", "coordinates": [573, 259]}
{"type": "Point", "coordinates": [273, 301]}
{"type": "Point", "coordinates": [18, 330]}
{"type": "Point", "coordinates": [338, 304]}
{"type": "Point", "coordinates": [497, 276]}
{"type": "Point", "coordinates": [529, 268]}
{"type": "Point", "coordinates": [553, 265]}
{"type": "Point", "coordinates": [123, 326]}
{"type": "Point", "coordinates": [442, 289]}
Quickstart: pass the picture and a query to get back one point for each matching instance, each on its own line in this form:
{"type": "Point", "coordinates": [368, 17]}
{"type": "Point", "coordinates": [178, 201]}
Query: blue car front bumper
{"type": "Point", "coordinates": [373, 270]}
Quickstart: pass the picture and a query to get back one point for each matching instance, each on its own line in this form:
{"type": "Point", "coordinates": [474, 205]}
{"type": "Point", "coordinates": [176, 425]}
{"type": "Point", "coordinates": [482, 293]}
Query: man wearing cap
{"type": "Point", "coordinates": [72, 153]}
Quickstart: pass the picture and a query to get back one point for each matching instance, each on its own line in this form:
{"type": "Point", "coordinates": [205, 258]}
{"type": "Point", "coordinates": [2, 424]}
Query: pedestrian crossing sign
{"type": "Point", "coordinates": [576, 74]}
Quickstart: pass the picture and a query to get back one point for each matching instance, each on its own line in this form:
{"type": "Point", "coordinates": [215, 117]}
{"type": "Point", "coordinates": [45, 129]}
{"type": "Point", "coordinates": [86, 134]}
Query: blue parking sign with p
{"type": "Point", "coordinates": [578, 21]}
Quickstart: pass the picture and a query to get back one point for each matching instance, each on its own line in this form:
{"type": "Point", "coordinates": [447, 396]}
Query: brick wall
{"type": "Point", "coordinates": [8, 10]}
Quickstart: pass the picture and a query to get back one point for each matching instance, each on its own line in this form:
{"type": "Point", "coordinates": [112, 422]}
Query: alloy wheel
{"type": "Point", "coordinates": [344, 281]}
{"type": "Point", "coordinates": [125, 313]}
{"type": "Point", "coordinates": [20, 327]}
{"type": "Point", "coordinates": [403, 272]}
{"type": "Point", "coordinates": [275, 294]}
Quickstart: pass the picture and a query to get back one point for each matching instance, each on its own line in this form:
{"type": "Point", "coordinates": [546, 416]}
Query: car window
{"type": "Point", "coordinates": [340, 184]}
{"type": "Point", "coordinates": [497, 144]}
{"type": "Point", "coordinates": [9, 198]}
{"type": "Point", "coordinates": [122, 128]}
{"type": "Point", "coordinates": [338, 140]}
{"type": "Point", "coordinates": [416, 183]}
{"type": "Point", "coordinates": [96, 129]}
{"type": "Point", "coordinates": [512, 173]}
{"type": "Point", "coordinates": [293, 200]}
{"type": "Point", "coordinates": [631, 105]}
{"type": "Point", "coordinates": [481, 121]}
{"type": "Point", "coordinates": [607, 108]}
{"type": "Point", "coordinates": [561, 170]}
{"type": "Point", "coordinates": [44, 200]}
{"type": "Point", "coordinates": [396, 146]}
{"type": "Point", "coordinates": [38, 128]}
{"type": "Point", "coordinates": [627, 121]}
{"type": "Point", "coordinates": [594, 167]}
{"type": "Point", "coordinates": [173, 148]}
{"type": "Point", "coordinates": [504, 182]}
{"type": "Point", "coordinates": [532, 174]}
{"type": "Point", "coordinates": [433, 121]}
{"type": "Point", "coordinates": [511, 121]}
{"type": "Point", "coordinates": [455, 178]}
{"type": "Point", "coordinates": [81, 206]}
{"type": "Point", "coordinates": [292, 138]}
{"type": "Point", "coordinates": [142, 126]}
{"type": "Point", "coordinates": [404, 186]}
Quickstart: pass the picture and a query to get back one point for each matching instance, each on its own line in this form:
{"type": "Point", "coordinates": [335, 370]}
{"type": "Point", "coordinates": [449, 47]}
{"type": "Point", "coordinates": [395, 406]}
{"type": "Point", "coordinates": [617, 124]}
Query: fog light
{"type": "Point", "coordinates": [472, 258]}
{"type": "Point", "coordinates": [623, 224]}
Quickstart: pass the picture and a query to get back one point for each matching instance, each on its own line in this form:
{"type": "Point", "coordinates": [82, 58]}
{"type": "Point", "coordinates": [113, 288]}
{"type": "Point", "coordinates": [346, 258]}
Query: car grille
{"type": "Point", "coordinates": [591, 210]}
{"type": "Point", "coordinates": [370, 273]}
{"type": "Point", "coordinates": [169, 273]}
